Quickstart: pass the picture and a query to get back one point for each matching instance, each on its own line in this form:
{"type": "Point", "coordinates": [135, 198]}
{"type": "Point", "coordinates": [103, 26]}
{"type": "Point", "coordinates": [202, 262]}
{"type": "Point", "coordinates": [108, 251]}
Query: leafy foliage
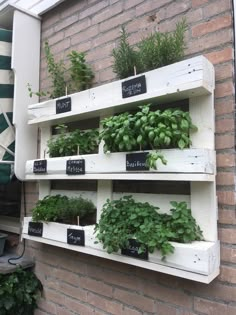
{"type": "Point", "coordinates": [81, 73]}
{"type": "Point", "coordinates": [19, 292]}
{"type": "Point", "coordinates": [66, 144]}
{"type": "Point", "coordinates": [126, 59]}
{"type": "Point", "coordinates": [56, 72]}
{"type": "Point", "coordinates": [161, 49]}
{"type": "Point", "coordinates": [60, 208]}
{"type": "Point", "coordinates": [125, 219]}
{"type": "Point", "coordinates": [147, 130]}
{"type": "Point", "coordinates": [157, 50]}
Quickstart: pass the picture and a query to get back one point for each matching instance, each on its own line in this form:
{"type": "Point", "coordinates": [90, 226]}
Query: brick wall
{"type": "Point", "coordinates": [80, 284]}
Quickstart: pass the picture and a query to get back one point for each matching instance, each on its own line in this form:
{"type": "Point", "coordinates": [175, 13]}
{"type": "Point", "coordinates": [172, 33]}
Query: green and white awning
{"type": "Point", "coordinates": [7, 134]}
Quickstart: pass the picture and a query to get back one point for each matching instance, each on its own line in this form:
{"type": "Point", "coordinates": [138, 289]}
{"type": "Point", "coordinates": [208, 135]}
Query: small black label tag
{"type": "Point", "coordinates": [75, 167]}
{"type": "Point", "coordinates": [75, 237]}
{"type": "Point", "coordinates": [133, 249]}
{"type": "Point", "coordinates": [35, 229]}
{"type": "Point", "coordinates": [136, 162]}
{"type": "Point", "coordinates": [134, 87]}
{"type": "Point", "coordinates": [63, 105]}
{"type": "Point", "coordinates": [40, 166]}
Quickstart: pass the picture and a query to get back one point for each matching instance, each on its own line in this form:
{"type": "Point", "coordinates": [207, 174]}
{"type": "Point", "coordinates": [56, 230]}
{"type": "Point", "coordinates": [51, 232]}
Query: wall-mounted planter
{"type": "Point", "coordinates": [198, 260]}
{"type": "Point", "coordinates": [195, 162]}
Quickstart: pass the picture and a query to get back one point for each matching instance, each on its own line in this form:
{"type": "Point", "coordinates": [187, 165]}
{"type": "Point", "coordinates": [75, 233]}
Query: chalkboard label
{"type": "Point", "coordinates": [75, 237]}
{"type": "Point", "coordinates": [75, 167]}
{"type": "Point", "coordinates": [40, 166]}
{"type": "Point", "coordinates": [134, 87]}
{"type": "Point", "coordinates": [63, 105]}
{"type": "Point", "coordinates": [132, 250]}
{"type": "Point", "coordinates": [136, 162]}
{"type": "Point", "coordinates": [35, 229]}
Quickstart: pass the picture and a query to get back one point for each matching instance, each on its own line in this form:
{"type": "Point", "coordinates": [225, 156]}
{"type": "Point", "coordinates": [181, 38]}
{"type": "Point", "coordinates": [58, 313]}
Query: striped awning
{"type": "Point", "coordinates": [7, 134]}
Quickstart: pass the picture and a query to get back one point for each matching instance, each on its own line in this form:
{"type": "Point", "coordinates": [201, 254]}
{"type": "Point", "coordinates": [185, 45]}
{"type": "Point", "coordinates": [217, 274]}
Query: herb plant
{"type": "Point", "coordinates": [60, 208]}
{"type": "Point", "coordinates": [56, 72]}
{"type": "Point", "coordinates": [147, 130]}
{"type": "Point", "coordinates": [66, 144]}
{"type": "Point", "coordinates": [81, 73]}
{"type": "Point", "coordinates": [161, 49]}
{"type": "Point", "coordinates": [19, 292]}
{"type": "Point", "coordinates": [125, 219]}
{"type": "Point", "coordinates": [126, 58]}
{"type": "Point", "coordinates": [157, 50]}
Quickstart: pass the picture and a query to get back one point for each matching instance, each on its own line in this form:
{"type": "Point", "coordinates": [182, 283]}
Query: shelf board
{"type": "Point", "coordinates": [185, 79]}
{"type": "Point", "coordinates": [200, 263]}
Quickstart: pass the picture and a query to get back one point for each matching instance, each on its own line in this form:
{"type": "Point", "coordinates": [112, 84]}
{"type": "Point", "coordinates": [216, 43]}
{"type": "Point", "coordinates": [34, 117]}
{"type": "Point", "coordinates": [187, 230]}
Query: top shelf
{"type": "Point", "coordinates": [186, 79]}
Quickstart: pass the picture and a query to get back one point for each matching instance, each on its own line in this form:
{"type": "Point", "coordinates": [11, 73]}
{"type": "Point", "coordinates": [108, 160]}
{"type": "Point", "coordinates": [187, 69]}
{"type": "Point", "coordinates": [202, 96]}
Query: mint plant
{"type": "Point", "coordinates": [125, 219]}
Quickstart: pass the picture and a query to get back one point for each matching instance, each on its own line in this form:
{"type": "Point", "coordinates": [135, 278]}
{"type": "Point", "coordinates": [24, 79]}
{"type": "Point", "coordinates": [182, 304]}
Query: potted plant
{"type": "Point", "coordinates": [63, 209]}
{"type": "Point", "coordinates": [72, 143]}
{"type": "Point", "coordinates": [147, 130]}
{"type": "Point", "coordinates": [124, 219]}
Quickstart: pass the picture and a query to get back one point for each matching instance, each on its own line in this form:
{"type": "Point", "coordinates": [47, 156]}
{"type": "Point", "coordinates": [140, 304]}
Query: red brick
{"type": "Point", "coordinates": [105, 304]}
{"type": "Point", "coordinates": [129, 311]}
{"type": "Point", "coordinates": [223, 72]}
{"type": "Point", "coordinates": [107, 37]}
{"type": "Point", "coordinates": [163, 309]}
{"type": "Point", "coordinates": [227, 235]}
{"type": "Point", "coordinates": [116, 21]}
{"type": "Point", "coordinates": [225, 178]}
{"type": "Point", "coordinates": [211, 40]}
{"type": "Point", "coordinates": [228, 254]}
{"type": "Point", "coordinates": [228, 274]}
{"type": "Point", "coordinates": [224, 142]}
{"type": "Point", "coordinates": [73, 292]}
{"type": "Point", "coordinates": [96, 286]}
{"type": "Point", "coordinates": [211, 26]}
{"type": "Point", "coordinates": [224, 125]}
{"type": "Point", "coordinates": [164, 294]}
{"type": "Point", "coordinates": [77, 27]}
{"type": "Point", "coordinates": [39, 312]}
{"type": "Point", "coordinates": [107, 13]}
{"type": "Point", "coordinates": [131, 3]}
{"type": "Point", "coordinates": [78, 307]}
{"type": "Point", "coordinates": [225, 160]}
{"type": "Point", "coordinates": [220, 56]}
{"type": "Point", "coordinates": [67, 276]}
{"type": "Point", "coordinates": [107, 75]}
{"type": "Point", "coordinates": [85, 35]}
{"type": "Point", "coordinates": [93, 9]}
{"type": "Point", "coordinates": [63, 311]}
{"type": "Point", "coordinates": [176, 8]}
{"type": "Point", "coordinates": [198, 3]}
{"type": "Point", "coordinates": [209, 307]}
{"type": "Point", "coordinates": [224, 89]}
{"type": "Point", "coordinates": [149, 7]}
{"type": "Point", "coordinates": [226, 197]}
{"type": "Point", "coordinates": [139, 301]}
{"type": "Point", "coordinates": [227, 216]}
{"type": "Point", "coordinates": [47, 306]}
{"type": "Point", "coordinates": [217, 7]}
{"type": "Point", "coordinates": [66, 22]}
{"type": "Point", "coordinates": [52, 296]}
{"type": "Point", "coordinates": [194, 16]}
{"type": "Point", "coordinates": [224, 106]}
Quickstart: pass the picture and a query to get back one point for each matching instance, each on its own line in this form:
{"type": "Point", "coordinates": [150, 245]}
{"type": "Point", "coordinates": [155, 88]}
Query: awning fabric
{"type": "Point", "coordinates": [7, 135]}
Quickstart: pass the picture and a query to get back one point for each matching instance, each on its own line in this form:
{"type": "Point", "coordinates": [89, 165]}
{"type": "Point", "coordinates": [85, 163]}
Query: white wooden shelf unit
{"type": "Point", "coordinates": [192, 79]}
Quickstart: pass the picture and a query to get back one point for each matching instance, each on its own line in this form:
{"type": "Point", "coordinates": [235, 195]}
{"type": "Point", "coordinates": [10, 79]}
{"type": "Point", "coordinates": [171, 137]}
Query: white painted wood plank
{"type": "Point", "coordinates": [6, 77]}
{"type": "Point", "coordinates": [178, 161]}
{"type": "Point", "coordinates": [184, 79]}
{"type": "Point", "coordinates": [204, 253]}
{"type": "Point", "coordinates": [202, 112]}
{"type": "Point", "coordinates": [104, 192]}
{"type": "Point", "coordinates": [131, 176]}
{"type": "Point", "coordinates": [204, 208]}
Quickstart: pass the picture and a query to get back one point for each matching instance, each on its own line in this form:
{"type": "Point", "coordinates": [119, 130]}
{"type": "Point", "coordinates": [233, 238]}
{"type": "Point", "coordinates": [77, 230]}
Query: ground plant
{"type": "Point", "coordinates": [19, 293]}
{"type": "Point", "coordinates": [125, 219]}
{"type": "Point", "coordinates": [154, 51]}
{"type": "Point", "coordinates": [62, 209]}
{"type": "Point", "coordinates": [68, 143]}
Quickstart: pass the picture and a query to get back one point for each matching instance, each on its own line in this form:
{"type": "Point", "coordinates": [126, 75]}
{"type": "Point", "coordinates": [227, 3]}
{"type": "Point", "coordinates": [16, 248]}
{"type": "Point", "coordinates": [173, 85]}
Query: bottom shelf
{"type": "Point", "coordinates": [198, 261]}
